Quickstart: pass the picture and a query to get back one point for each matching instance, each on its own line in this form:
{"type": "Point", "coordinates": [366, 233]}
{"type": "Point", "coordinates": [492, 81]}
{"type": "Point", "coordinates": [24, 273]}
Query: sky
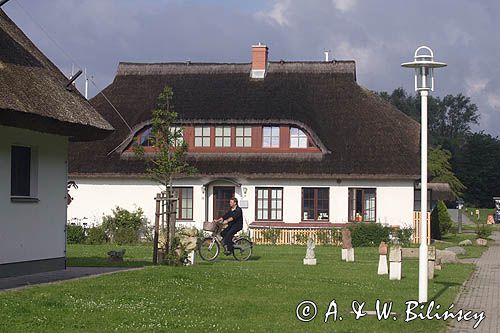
{"type": "Point", "coordinates": [378, 35]}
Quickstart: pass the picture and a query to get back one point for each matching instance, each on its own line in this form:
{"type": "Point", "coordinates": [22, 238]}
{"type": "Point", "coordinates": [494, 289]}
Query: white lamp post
{"type": "Point", "coordinates": [424, 81]}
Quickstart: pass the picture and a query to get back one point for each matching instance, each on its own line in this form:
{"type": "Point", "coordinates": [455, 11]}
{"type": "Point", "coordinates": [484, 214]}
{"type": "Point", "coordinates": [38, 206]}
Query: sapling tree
{"type": "Point", "coordinates": [168, 156]}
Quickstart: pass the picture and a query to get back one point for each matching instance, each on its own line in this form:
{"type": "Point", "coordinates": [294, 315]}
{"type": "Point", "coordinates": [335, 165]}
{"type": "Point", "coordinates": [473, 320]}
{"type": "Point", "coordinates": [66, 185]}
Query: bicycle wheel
{"type": "Point", "coordinates": [209, 249]}
{"type": "Point", "coordinates": [242, 249]}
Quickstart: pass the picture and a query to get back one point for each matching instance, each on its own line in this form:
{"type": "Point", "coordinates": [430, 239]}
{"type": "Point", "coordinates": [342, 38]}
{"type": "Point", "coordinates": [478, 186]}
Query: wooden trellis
{"type": "Point", "coordinates": [165, 218]}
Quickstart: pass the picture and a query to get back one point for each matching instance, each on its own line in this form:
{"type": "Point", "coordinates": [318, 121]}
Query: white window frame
{"type": "Point", "coordinates": [243, 136]}
{"type": "Point", "coordinates": [273, 135]}
{"type": "Point", "coordinates": [202, 136]}
{"type": "Point", "coordinates": [223, 136]}
{"type": "Point", "coordinates": [298, 139]}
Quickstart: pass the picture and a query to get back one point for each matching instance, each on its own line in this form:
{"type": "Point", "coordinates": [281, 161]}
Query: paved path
{"type": "Point", "coordinates": [55, 276]}
{"type": "Point", "coordinates": [482, 292]}
{"type": "Point", "coordinates": [454, 216]}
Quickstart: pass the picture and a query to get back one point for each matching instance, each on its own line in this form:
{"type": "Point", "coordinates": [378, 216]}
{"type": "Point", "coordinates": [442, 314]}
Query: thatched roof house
{"type": "Point", "coordinates": [38, 117]}
{"type": "Point", "coordinates": [33, 94]}
{"type": "Point", "coordinates": [359, 134]}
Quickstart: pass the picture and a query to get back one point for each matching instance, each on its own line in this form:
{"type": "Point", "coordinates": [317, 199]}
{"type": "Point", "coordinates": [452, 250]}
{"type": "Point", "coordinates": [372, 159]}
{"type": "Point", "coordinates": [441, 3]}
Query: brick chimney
{"type": "Point", "coordinates": [259, 61]}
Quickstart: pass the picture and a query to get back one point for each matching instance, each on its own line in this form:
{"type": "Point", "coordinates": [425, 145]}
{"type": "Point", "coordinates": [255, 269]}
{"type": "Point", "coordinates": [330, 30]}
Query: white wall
{"type": "Point", "coordinates": [32, 231]}
{"type": "Point", "coordinates": [97, 196]}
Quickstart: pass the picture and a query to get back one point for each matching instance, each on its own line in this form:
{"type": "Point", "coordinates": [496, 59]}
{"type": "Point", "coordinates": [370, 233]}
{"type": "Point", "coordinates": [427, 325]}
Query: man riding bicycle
{"type": "Point", "coordinates": [234, 221]}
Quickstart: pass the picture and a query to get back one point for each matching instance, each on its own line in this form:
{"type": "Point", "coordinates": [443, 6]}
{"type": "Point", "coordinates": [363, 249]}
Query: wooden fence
{"type": "Point", "coordinates": [290, 236]}
{"type": "Point", "coordinates": [416, 228]}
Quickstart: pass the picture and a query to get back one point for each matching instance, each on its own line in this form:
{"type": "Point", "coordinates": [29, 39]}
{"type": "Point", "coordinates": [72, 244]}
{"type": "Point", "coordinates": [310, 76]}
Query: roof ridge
{"type": "Point", "coordinates": [282, 66]}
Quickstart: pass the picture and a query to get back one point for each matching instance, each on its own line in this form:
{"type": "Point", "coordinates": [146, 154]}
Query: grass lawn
{"type": "Point", "coordinates": [96, 255]}
{"type": "Point", "coordinates": [483, 214]}
{"type": "Point", "coordinates": [259, 295]}
{"type": "Point", "coordinates": [473, 251]}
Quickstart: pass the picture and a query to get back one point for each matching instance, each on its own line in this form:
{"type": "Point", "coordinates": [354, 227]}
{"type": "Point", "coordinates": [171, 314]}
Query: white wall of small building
{"type": "Point", "coordinates": [35, 230]}
{"type": "Point", "coordinates": [96, 197]}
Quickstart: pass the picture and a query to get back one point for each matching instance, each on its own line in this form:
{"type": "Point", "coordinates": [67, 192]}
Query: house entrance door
{"type": "Point", "coordinates": [222, 194]}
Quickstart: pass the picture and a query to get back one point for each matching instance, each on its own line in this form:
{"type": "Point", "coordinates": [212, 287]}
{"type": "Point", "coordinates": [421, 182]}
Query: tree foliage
{"type": "Point", "coordinates": [440, 169]}
{"type": "Point", "coordinates": [169, 159]}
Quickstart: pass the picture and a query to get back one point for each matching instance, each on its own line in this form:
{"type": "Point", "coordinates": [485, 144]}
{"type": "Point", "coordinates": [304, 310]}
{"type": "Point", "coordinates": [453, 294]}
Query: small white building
{"type": "Point", "coordinates": [299, 143]}
{"type": "Point", "coordinates": [38, 117]}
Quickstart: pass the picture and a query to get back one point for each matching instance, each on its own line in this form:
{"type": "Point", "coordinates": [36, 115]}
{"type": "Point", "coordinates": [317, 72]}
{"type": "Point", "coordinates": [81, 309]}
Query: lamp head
{"type": "Point", "coordinates": [424, 65]}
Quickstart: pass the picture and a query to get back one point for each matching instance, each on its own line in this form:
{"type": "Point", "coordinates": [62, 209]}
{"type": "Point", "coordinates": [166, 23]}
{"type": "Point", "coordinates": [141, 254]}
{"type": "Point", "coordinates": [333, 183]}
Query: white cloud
{"type": "Point", "coordinates": [277, 13]}
{"type": "Point", "coordinates": [475, 86]}
{"type": "Point", "coordinates": [344, 5]}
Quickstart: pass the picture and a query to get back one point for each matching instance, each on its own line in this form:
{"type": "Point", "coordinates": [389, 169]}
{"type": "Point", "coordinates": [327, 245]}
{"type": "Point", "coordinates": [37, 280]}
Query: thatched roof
{"type": "Point", "coordinates": [364, 136]}
{"type": "Point", "coordinates": [33, 93]}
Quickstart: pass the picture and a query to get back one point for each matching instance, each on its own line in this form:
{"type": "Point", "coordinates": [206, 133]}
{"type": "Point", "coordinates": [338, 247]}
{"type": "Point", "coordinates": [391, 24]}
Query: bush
{"type": "Point", "coordinates": [441, 223]}
{"type": "Point", "coordinates": [483, 230]}
{"type": "Point", "coordinates": [271, 235]}
{"type": "Point", "coordinates": [404, 236]}
{"type": "Point", "coordinates": [329, 236]}
{"type": "Point", "coordinates": [369, 234]}
{"type": "Point", "coordinates": [75, 234]}
{"type": "Point", "coordinates": [96, 235]}
{"type": "Point", "coordinates": [301, 238]}
{"type": "Point", "coordinates": [124, 227]}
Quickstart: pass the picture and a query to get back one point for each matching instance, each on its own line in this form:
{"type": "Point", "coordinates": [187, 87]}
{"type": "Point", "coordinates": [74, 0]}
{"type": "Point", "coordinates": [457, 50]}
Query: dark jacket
{"type": "Point", "coordinates": [237, 215]}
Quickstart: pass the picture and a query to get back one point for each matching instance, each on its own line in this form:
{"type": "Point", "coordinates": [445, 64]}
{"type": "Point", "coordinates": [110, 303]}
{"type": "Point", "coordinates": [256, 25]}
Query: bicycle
{"type": "Point", "coordinates": [209, 247]}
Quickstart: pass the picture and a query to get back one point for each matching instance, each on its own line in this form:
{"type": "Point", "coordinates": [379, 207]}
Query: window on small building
{"type": "Point", "coordinates": [271, 137]}
{"type": "Point", "coordinates": [315, 204]}
{"type": "Point", "coordinates": [184, 203]}
{"type": "Point", "coordinates": [145, 137]}
{"type": "Point", "coordinates": [223, 136]}
{"type": "Point", "coordinates": [243, 136]}
{"type": "Point", "coordinates": [269, 204]}
{"type": "Point", "coordinates": [22, 172]}
{"type": "Point", "coordinates": [202, 136]}
{"type": "Point", "coordinates": [362, 204]}
{"type": "Point", "coordinates": [298, 139]}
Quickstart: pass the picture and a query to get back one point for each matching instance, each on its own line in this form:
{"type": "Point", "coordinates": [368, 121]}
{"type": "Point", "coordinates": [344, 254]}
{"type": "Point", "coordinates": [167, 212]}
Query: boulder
{"type": "Point", "coordinates": [465, 242]}
{"type": "Point", "coordinates": [481, 242]}
{"type": "Point", "coordinates": [446, 257]}
{"type": "Point", "coordinates": [457, 249]}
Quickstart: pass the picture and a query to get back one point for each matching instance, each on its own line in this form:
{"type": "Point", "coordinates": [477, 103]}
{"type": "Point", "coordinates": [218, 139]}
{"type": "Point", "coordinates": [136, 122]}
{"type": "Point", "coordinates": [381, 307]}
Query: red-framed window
{"type": "Point", "coordinates": [184, 203]}
{"type": "Point", "coordinates": [269, 203]}
{"type": "Point", "coordinates": [315, 204]}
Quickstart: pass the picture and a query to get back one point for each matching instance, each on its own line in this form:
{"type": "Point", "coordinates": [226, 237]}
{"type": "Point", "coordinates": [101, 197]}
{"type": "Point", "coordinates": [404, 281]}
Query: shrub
{"type": "Point", "coordinates": [369, 234]}
{"type": "Point", "coordinates": [329, 236]}
{"type": "Point", "coordinates": [404, 235]}
{"type": "Point", "coordinates": [271, 235]}
{"type": "Point", "coordinates": [75, 234]}
{"type": "Point", "coordinates": [96, 235]}
{"type": "Point", "coordinates": [483, 230]}
{"type": "Point", "coordinates": [301, 238]}
{"type": "Point", "coordinates": [441, 223]}
{"type": "Point", "coordinates": [124, 227]}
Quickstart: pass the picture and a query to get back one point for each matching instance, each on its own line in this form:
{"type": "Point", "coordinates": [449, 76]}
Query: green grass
{"type": "Point", "coordinates": [259, 295]}
{"type": "Point", "coordinates": [96, 255]}
{"type": "Point", "coordinates": [473, 251]}
{"type": "Point", "coordinates": [483, 214]}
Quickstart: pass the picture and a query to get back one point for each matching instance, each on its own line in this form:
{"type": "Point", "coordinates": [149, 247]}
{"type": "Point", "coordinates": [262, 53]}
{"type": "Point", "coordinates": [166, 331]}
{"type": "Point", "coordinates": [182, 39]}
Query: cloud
{"type": "Point", "coordinates": [379, 36]}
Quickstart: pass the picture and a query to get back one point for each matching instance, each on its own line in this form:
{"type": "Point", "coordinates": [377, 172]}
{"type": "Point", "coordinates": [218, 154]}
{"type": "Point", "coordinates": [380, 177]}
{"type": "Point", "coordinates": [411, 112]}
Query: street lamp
{"type": "Point", "coordinates": [460, 205]}
{"type": "Point", "coordinates": [424, 81]}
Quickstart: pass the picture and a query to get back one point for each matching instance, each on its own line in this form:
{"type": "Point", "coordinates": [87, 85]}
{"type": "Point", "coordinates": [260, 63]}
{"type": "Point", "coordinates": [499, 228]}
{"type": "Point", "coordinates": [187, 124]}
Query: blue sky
{"type": "Point", "coordinates": [378, 35]}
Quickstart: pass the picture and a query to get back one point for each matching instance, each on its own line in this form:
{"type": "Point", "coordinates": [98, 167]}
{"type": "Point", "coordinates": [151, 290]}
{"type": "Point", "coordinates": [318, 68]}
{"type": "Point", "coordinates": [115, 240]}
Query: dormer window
{"type": "Point", "coordinates": [145, 138]}
{"type": "Point", "coordinates": [298, 139]}
{"type": "Point", "coordinates": [202, 136]}
{"type": "Point", "coordinates": [223, 136]}
{"type": "Point", "coordinates": [271, 137]}
{"type": "Point", "coordinates": [243, 136]}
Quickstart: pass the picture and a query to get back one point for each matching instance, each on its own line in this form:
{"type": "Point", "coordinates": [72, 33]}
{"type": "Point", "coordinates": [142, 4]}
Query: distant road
{"type": "Point", "coordinates": [454, 216]}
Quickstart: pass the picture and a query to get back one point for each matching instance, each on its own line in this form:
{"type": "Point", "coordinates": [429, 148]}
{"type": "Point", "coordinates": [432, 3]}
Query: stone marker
{"type": "Point", "coordinates": [191, 258]}
{"type": "Point", "coordinates": [481, 242]}
{"type": "Point", "coordinates": [382, 261]}
{"type": "Point", "coordinates": [465, 242]}
{"type": "Point", "coordinates": [310, 258]}
{"type": "Point", "coordinates": [446, 257]}
{"type": "Point", "coordinates": [457, 249]}
{"type": "Point", "coordinates": [395, 263]}
{"type": "Point", "coordinates": [348, 254]}
{"type": "Point", "coordinates": [431, 262]}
